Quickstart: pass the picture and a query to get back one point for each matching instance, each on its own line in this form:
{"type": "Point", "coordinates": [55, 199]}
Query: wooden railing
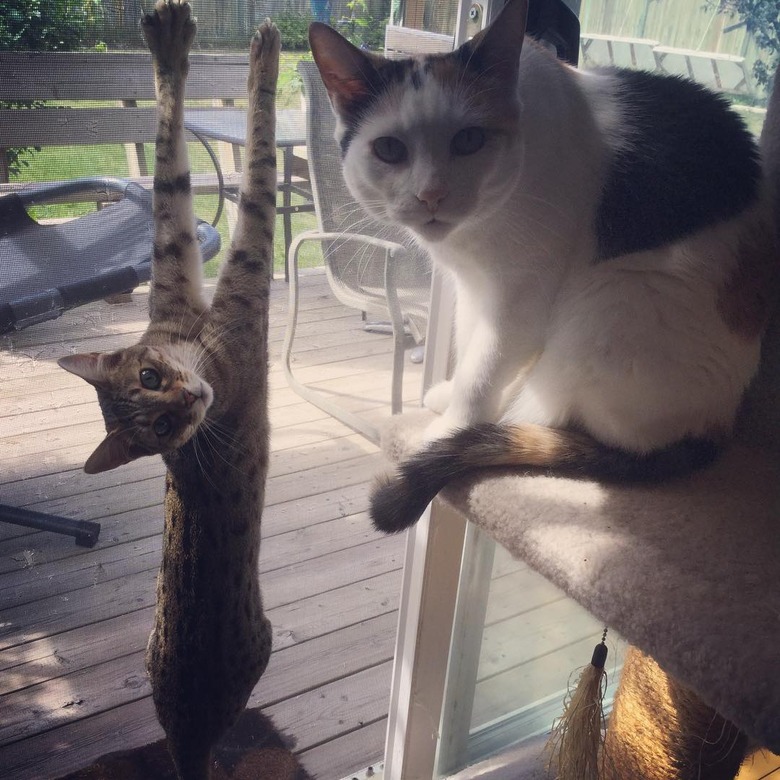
{"type": "Point", "coordinates": [107, 99]}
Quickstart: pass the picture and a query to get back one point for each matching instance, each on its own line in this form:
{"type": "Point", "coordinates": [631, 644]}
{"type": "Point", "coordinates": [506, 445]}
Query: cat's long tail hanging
{"type": "Point", "coordinates": [398, 501]}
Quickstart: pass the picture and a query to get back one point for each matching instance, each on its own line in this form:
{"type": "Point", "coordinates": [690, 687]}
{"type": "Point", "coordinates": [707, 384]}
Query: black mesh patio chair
{"type": "Point", "coordinates": [386, 279]}
{"type": "Point", "coordinates": [47, 269]}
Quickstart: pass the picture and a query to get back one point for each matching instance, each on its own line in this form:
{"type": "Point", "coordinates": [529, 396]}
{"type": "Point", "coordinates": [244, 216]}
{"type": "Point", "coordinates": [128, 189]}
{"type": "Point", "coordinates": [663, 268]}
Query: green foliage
{"type": "Point", "coordinates": [357, 26]}
{"type": "Point", "coordinates": [294, 29]}
{"type": "Point", "coordinates": [46, 25]}
{"type": "Point", "coordinates": [762, 20]}
{"type": "Point", "coordinates": [43, 25]}
{"type": "Point", "coordinates": [361, 28]}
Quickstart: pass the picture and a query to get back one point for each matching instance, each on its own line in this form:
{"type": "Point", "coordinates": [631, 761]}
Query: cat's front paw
{"type": "Point", "coordinates": [264, 58]}
{"type": "Point", "coordinates": [169, 31]}
{"type": "Point", "coordinates": [437, 399]}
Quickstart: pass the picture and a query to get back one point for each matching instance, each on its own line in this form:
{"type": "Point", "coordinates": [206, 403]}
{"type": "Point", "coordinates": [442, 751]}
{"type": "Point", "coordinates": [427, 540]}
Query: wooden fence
{"type": "Point", "coordinates": [684, 24]}
{"type": "Point", "coordinates": [221, 23]}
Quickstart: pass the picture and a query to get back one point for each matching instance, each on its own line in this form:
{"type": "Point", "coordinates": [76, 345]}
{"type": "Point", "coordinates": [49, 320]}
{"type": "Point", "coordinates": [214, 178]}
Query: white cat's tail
{"type": "Point", "coordinates": [398, 501]}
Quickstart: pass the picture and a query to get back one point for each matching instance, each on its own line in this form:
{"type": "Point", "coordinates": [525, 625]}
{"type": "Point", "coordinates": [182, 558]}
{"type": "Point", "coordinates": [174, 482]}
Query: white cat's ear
{"type": "Point", "coordinates": [115, 450]}
{"type": "Point", "coordinates": [89, 366]}
{"type": "Point", "coordinates": [347, 72]}
{"type": "Point", "coordinates": [497, 48]}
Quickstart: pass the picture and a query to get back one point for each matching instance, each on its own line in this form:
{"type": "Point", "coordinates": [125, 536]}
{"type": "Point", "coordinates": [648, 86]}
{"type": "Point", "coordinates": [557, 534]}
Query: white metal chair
{"type": "Point", "coordinates": [383, 278]}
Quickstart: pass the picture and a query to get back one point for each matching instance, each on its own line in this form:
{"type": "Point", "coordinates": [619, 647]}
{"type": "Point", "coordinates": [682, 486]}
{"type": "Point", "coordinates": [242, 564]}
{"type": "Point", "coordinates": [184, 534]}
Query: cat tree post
{"type": "Point", "coordinates": [685, 570]}
{"type": "Point", "coordinates": [661, 730]}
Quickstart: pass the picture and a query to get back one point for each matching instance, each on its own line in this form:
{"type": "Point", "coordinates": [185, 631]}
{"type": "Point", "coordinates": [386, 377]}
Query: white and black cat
{"type": "Point", "coordinates": [611, 242]}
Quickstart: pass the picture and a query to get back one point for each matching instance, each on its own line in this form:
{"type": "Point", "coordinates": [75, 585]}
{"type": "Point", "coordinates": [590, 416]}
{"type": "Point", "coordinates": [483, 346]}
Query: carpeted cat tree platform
{"type": "Point", "coordinates": [687, 571]}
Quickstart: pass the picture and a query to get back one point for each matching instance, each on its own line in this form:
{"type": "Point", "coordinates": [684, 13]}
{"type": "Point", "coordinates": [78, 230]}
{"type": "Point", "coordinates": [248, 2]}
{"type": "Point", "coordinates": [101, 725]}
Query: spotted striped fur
{"type": "Point", "coordinates": [202, 371]}
{"type": "Point", "coordinates": [608, 234]}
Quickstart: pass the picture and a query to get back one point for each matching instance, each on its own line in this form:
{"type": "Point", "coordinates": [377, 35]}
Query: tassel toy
{"type": "Point", "coordinates": [578, 735]}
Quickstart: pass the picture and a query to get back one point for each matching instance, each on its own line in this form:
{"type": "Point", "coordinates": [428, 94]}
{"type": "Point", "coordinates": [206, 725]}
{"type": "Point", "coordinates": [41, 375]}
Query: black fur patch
{"type": "Point", "coordinates": [347, 139]}
{"type": "Point", "coordinates": [171, 186]}
{"type": "Point", "coordinates": [415, 78]}
{"type": "Point", "coordinates": [690, 162]}
{"type": "Point", "coordinates": [379, 80]}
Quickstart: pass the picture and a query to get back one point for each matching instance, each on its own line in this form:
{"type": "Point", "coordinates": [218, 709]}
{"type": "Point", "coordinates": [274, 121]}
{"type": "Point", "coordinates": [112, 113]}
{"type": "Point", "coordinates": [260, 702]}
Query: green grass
{"type": "Point", "coordinates": [70, 162]}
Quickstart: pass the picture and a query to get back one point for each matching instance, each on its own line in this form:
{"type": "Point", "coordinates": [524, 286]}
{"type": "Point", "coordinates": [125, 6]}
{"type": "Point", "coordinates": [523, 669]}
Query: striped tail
{"type": "Point", "coordinates": [398, 501]}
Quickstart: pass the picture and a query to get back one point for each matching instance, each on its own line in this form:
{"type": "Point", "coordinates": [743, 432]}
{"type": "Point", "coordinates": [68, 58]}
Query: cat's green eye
{"type": "Point", "coordinates": [390, 150]}
{"type": "Point", "coordinates": [468, 141]}
{"type": "Point", "coordinates": [150, 379]}
{"type": "Point", "coordinates": [162, 425]}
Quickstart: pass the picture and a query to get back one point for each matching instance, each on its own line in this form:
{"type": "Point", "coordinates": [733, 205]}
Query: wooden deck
{"type": "Point", "coordinates": [74, 622]}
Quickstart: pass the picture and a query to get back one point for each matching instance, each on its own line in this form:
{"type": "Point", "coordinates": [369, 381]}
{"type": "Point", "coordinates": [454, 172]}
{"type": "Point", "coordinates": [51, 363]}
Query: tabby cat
{"type": "Point", "coordinates": [195, 389]}
{"type": "Point", "coordinates": [610, 241]}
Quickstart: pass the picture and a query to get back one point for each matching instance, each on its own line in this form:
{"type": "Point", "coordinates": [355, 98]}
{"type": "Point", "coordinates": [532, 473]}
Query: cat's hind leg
{"type": "Point", "coordinates": [169, 31]}
{"type": "Point", "coordinates": [243, 287]}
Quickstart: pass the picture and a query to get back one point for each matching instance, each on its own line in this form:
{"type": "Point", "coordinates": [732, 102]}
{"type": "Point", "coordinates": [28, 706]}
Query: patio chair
{"type": "Point", "coordinates": [48, 269]}
{"type": "Point", "coordinates": [388, 279]}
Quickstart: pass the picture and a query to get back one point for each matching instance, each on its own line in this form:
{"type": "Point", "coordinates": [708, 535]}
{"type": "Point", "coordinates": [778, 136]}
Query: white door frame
{"type": "Point", "coordinates": [432, 579]}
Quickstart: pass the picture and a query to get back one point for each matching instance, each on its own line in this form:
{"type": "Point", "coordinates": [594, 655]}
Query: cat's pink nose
{"type": "Point", "coordinates": [432, 197]}
{"type": "Point", "coordinates": [188, 397]}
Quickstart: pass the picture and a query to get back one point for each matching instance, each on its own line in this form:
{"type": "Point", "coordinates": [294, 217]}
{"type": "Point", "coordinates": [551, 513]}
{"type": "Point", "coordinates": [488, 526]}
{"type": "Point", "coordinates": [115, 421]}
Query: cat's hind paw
{"type": "Point", "coordinates": [169, 31]}
{"type": "Point", "coordinates": [264, 58]}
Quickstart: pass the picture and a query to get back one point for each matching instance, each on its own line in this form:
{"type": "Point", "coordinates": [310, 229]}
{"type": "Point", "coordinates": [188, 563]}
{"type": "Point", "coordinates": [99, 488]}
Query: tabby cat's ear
{"type": "Point", "coordinates": [348, 73]}
{"type": "Point", "coordinates": [91, 367]}
{"type": "Point", "coordinates": [496, 49]}
{"type": "Point", "coordinates": [115, 450]}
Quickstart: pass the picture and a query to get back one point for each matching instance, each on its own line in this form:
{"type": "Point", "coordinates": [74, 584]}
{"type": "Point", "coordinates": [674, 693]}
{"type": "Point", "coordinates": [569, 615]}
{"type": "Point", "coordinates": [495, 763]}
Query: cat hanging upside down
{"type": "Point", "coordinates": [611, 243]}
{"type": "Point", "coordinates": [195, 390]}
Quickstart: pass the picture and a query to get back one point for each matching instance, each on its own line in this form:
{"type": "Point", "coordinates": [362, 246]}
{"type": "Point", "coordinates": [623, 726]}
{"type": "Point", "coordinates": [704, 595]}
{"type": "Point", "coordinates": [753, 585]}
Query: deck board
{"type": "Point", "coordinates": [74, 622]}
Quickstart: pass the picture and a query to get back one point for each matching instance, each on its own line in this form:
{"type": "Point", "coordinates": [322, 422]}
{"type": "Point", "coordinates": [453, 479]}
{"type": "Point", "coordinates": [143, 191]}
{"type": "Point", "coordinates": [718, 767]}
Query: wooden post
{"type": "Point", "coordinates": [230, 161]}
{"type": "Point", "coordinates": [135, 154]}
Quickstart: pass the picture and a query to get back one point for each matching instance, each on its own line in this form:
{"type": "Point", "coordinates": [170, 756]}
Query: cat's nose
{"type": "Point", "coordinates": [432, 197]}
{"type": "Point", "coordinates": [188, 397]}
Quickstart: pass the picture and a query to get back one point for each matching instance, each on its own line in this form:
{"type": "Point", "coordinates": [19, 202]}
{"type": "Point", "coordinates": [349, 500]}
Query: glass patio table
{"type": "Point", "coordinates": [229, 125]}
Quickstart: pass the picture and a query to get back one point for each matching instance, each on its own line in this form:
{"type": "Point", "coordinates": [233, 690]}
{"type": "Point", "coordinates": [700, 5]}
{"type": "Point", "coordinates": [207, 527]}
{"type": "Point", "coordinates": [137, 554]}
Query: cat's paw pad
{"type": "Point", "coordinates": [264, 57]}
{"type": "Point", "coordinates": [169, 30]}
{"type": "Point", "coordinates": [437, 399]}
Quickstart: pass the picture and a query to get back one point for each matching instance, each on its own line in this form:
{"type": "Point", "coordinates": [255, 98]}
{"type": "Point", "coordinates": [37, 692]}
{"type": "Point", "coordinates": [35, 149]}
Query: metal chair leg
{"type": "Point", "coordinates": [312, 396]}
{"type": "Point", "coordinates": [85, 532]}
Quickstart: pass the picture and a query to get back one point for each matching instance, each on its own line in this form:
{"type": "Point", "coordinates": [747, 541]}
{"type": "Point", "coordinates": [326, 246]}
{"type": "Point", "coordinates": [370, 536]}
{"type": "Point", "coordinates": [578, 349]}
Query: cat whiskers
{"type": "Point", "coordinates": [218, 440]}
{"type": "Point", "coordinates": [196, 440]}
{"type": "Point", "coordinates": [189, 337]}
{"type": "Point", "coordinates": [223, 435]}
{"type": "Point", "coordinates": [364, 255]}
{"type": "Point", "coordinates": [206, 350]}
{"type": "Point", "coordinates": [349, 210]}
